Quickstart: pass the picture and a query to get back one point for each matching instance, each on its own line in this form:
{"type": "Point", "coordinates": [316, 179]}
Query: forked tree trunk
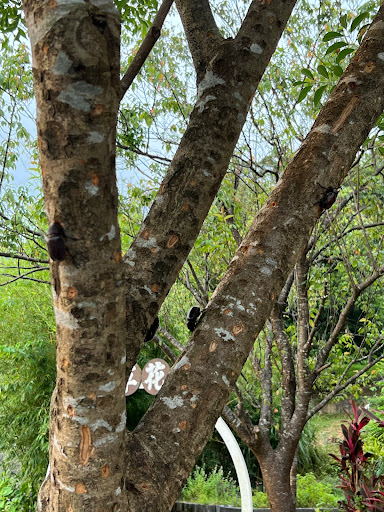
{"type": "Point", "coordinates": [99, 305]}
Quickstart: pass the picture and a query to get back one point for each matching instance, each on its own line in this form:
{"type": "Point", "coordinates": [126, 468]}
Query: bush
{"type": "Point", "coordinates": [27, 378]}
{"type": "Point", "coordinates": [363, 488]}
{"type": "Point", "coordinates": [260, 500]}
{"type": "Point", "coordinates": [212, 488]}
{"type": "Point", "coordinates": [215, 488]}
{"type": "Point", "coordinates": [310, 457]}
{"type": "Point", "coordinates": [311, 493]}
{"type": "Point", "coordinates": [14, 495]}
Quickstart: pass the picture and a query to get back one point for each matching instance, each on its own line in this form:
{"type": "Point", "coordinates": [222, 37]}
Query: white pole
{"type": "Point", "coordinates": [239, 463]}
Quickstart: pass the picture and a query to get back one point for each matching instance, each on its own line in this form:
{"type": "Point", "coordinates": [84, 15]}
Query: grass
{"type": "Point", "coordinates": [327, 429]}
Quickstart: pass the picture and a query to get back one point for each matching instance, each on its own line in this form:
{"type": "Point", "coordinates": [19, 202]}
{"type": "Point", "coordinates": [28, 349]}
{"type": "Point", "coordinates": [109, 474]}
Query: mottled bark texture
{"type": "Point", "coordinates": [232, 71]}
{"type": "Point", "coordinates": [341, 126]}
{"type": "Point", "coordinates": [75, 45]}
{"type": "Point", "coordinates": [199, 383]}
{"type": "Point", "coordinates": [76, 75]}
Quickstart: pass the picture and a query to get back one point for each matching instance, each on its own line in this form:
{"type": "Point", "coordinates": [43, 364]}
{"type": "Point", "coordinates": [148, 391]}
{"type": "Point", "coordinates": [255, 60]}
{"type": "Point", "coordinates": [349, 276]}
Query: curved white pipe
{"type": "Point", "coordinates": [239, 463]}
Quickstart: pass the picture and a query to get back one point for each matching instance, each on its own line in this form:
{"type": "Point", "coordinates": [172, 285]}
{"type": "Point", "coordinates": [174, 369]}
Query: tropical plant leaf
{"type": "Point", "coordinates": [304, 93]}
{"type": "Point", "coordinates": [356, 21]}
{"type": "Point", "coordinates": [331, 35]}
{"type": "Point", "coordinates": [335, 46]}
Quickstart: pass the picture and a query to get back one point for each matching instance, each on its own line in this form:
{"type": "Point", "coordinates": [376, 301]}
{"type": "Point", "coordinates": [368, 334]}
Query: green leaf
{"type": "Point", "coordinates": [335, 46]}
{"type": "Point", "coordinates": [343, 21]}
{"type": "Point", "coordinates": [362, 31]}
{"type": "Point", "coordinates": [344, 53]}
{"type": "Point", "coordinates": [304, 93]}
{"type": "Point", "coordinates": [307, 73]}
{"type": "Point", "coordinates": [299, 82]}
{"type": "Point", "coordinates": [318, 94]}
{"type": "Point", "coordinates": [338, 71]}
{"type": "Point", "coordinates": [356, 21]}
{"type": "Point", "coordinates": [381, 150]}
{"type": "Point", "coordinates": [331, 35]}
{"type": "Point", "coordinates": [323, 71]}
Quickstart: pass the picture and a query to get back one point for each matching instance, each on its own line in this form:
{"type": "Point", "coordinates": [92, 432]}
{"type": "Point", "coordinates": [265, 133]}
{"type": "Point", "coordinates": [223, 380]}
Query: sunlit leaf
{"type": "Point", "coordinates": [318, 94]}
{"type": "Point", "coordinates": [304, 93]}
{"type": "Point", "coordinates": [307, 73]}
{"type": "Point", "coordinates": [336, 46]}
{"type": "Point", "coordinates": [343, 54]}
{"type": "Point", "coordinates": [356, 21]}
{"type": "Point", "coordinates": [331, 35]}
{"type": "Point", "coordinates": [323, 71]}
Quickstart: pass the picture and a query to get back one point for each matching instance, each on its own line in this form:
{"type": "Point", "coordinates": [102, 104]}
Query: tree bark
{"type": "Point", "coordinates": [276, 481]}
{"type": "Point", "coordinates": [103, 307]}
{"type": "Point", "coordinates": [76, 75]}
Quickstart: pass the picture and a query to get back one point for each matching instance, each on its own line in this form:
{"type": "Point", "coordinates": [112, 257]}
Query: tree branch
{"type": "Point", "coordinates": [168, 336]}
{"type": "Point", "coordinates": [288, 369]}
{"type": "Point", "coordinates": [145, 49]}
{"type": "Point", "coordinates": [243, 300]}
{"type": "Point", "coordinates": [24, 276]}
{"type": "Point", "coordinates": [359, 289]}
{"type": "Point", "coordinates": [22, 257]}
{"type": "Point", "coordinates": [337, 389]}
{"type": "Point", "coordinates": [201, 30]}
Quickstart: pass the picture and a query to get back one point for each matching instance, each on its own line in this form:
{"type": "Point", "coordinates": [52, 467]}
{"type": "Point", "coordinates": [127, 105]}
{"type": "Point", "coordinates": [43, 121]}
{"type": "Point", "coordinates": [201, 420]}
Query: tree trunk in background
{"type": "Point", "coordinates": [277, 485]}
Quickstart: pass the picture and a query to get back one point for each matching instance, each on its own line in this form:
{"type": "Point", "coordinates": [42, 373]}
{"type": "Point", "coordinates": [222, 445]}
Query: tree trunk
{"type": "Point", "coordinates": [99, 305]}
{"type": "Point", "coordinates": [77, 88]}
{"type": "Point", "coordinates": [293, 476]}
{"type": "Point", "coordinates": [276, 479]}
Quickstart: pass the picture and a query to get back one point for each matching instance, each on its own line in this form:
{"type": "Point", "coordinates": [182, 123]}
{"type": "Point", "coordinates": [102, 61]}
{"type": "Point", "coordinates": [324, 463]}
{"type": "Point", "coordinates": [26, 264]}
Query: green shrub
{"type": "Point", "coordinates": [211, 488]}
{"type": "Point", "coordinates": [373, 434]}
{"type": "Point", "coordinates": [311, 493]}
{"type": "Point", "coordinates": [215, 488]}
{"type": "Point", "coordinates": [15, 496]}
{"type": "Point", "coordinates": [27, 378]}
{"type": "Point", "coordinates": [260, 500]}
{"type": "Point", "coordinates": [309, 458]}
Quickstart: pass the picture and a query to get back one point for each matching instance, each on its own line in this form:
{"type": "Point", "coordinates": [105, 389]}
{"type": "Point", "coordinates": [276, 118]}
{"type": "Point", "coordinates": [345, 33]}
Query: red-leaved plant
{"type": "Point", "coordinates": [363, 490]}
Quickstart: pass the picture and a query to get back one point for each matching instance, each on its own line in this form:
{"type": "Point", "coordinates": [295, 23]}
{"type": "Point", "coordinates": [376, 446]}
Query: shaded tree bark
{"type": "Point", "coordinates": [104, 304]}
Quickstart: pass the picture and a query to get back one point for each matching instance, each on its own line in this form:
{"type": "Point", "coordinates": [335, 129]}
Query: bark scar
{"type": "Point", "coordinates": [346, 113]}
{"type": "Point", "coordinates": [86, 447]}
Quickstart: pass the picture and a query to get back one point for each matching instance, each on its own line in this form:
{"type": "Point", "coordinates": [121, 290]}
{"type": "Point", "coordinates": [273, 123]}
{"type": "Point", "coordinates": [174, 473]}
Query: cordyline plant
{"type": "Point", "coordinates": [363, 489]}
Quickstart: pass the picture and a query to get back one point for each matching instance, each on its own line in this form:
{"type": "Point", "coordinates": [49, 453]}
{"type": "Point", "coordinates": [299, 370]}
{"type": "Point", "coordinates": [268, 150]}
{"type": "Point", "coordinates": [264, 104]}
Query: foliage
{"type": "Point", "coordinates": [27, 376]}
{"type": "Point", "coordinates": [311, 493]}
{"type": "Point", "coordinates": [309, 457]}
{"type": "Point", "coordinates": [373, 433]}
{"type": "Point", "coordinates": [11, 19]}
{"type": "Point", "coordinates": [137, 14]}
{"type": "Point", "coordinates": [210, 488]}
{"type": "Point", "coordinates": [363, 488]}
{"type": "Point", "coordinates": [214, 487]}
{"type": "Point", "coordinates": [15, 496]}
{"type": "Point", "coordinates": [15, 95]}
{"type": "Point", "coordinates": [337, 48]}
{"type": "Point", "coordinates": [260, 499]}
